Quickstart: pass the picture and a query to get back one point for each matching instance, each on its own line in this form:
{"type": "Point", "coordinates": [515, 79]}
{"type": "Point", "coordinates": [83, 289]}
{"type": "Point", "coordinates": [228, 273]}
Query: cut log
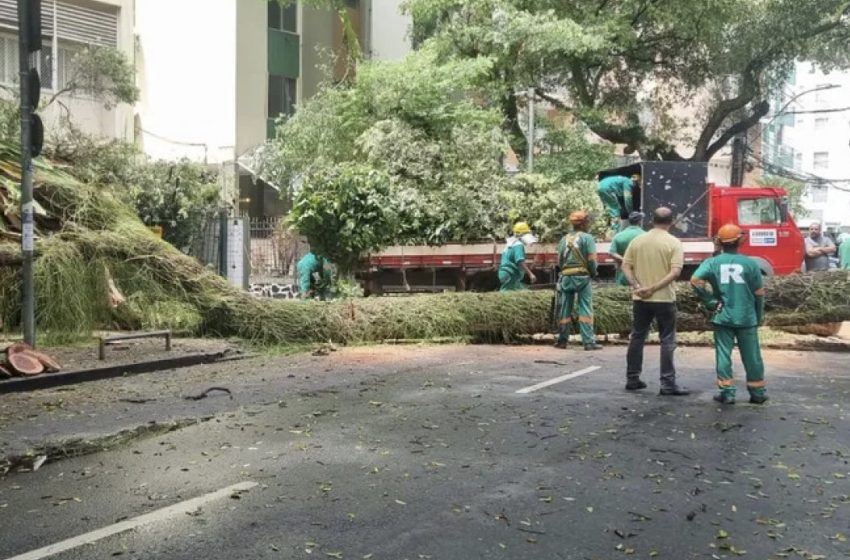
{"type": "Point", "coordinates": [4, 372]}
{"type": "Point", "coordinates": [25, 364]}
{"type": "Point", "coordinates": [17, 348]}
{"type": "Point", "coordinates": [50, 365]}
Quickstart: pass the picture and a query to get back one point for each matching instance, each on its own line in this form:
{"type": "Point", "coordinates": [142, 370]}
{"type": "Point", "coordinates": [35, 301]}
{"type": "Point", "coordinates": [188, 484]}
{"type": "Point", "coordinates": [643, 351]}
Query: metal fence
{"type": "Point", "coordinates": [207, 244]}
{"type": "Point", "coordinates": [275, 250]}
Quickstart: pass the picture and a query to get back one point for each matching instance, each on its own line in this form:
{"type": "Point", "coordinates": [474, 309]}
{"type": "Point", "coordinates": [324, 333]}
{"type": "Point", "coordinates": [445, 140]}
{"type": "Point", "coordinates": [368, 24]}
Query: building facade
{"type": "Point", "coordinates": [808, 138]}
{"type": "Point", "coordinates": [68, 26]}
{"type": "Point", "coordinates": [212, 93]}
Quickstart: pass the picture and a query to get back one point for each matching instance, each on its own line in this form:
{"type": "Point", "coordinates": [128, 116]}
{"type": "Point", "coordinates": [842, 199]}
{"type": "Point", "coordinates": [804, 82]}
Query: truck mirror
{"type": "Point", "coordinates": [783, 210]}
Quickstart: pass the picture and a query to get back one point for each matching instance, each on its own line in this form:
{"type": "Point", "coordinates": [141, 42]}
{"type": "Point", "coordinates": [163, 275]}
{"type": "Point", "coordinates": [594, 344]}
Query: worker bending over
{"type": "Point", "coordinates": [577, 261]}
{"type": "Point", "coordinates": [315, 276]}
{"type": "Point", "coordinates": [622, 241]}
{"type": "Point", "coordinates": [736, 299]}
{"type": "Point", "coordinates": [621, 196]}
{"type": "Point", "coordinates": [513, 268]}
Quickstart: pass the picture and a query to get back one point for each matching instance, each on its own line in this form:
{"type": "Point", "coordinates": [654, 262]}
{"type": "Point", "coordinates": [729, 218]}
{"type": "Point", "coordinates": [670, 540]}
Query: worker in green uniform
{"type": "Point", "coordinates": [621, 242]}
{"type": "Point", "coordinates": [513, 268]}
{"type": "Point", "coordinates": [844, 251]}
{"type": "Point", "coordinates": [621, 196]}
{"type": "Point", "coordinates": [577, 261]}
{"type": "Point", "coordinates": [315, 276]}
{"type": "Point", "coordinates": [736, 299]}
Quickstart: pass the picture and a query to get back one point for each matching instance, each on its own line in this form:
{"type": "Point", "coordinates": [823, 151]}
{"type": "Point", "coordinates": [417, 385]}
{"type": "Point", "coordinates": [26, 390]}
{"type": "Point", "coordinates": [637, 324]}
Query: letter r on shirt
{"type": "Point", "coordinates": [730, 273]}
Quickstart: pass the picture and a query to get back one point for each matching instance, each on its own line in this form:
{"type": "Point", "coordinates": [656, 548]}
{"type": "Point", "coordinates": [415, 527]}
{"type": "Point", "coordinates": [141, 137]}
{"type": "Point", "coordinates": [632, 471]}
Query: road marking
{"type": "Point", "coordinates": [129, 524]}
{"type": "Point", "coordinates": [558, 380]}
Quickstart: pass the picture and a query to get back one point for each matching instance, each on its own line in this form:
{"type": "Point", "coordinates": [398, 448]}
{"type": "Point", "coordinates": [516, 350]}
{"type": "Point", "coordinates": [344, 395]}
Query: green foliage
{"type": "Point", "coordinates": [102, 73]}
{"type": "Point", "coordinates": [796, 190]}
{"type": "Point", "coordinates": [344, 210]}
{"type": "Point", "coordinates": [567, 155]}
{"type": "Point", "coordinates": [625, 67]}
{"type": "Point", "coordinates": [178, 196]}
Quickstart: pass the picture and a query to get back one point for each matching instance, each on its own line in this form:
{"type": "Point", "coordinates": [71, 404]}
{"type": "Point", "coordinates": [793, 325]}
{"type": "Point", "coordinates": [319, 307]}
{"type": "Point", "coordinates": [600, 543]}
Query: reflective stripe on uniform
{"type": "Point", "coordinates": [757, 384]}
{"type": "Point", "coordinates": [566, 321]}
{"type": "Point", "coordinates": [585, 319]}
{"type": "Point", "coordinates": [697, 282]}
{"type": "Point", "coordinates": [725, 382]}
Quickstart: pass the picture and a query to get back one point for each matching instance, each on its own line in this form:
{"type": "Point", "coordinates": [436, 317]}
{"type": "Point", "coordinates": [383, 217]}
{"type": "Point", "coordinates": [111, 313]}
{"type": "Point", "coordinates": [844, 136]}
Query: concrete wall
{"type": "Point", "coordinates": [251, 66]}
{"type": "Point", "coordinates": [317, 38]}
{"type": "Point", "coordinates": [389, 30]}
{"type": "Point", "coordinates": [187, 74]}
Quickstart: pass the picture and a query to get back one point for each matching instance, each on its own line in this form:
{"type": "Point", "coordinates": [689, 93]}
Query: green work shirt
{"type": "Point", "coordinates": [619, 245]}
{"type": "Point", "coordinates": [586, 247]}
{"type": "Point", "coordinates": [844, 254]}
{"type": "Point", "coordinates": [310, 265]}
{"type": "Point", "coordinates": [618, 186]}
{"type": "Point", "coordinates": [736, 282]}
{"type": "Point", "coordinates": [512, 257]}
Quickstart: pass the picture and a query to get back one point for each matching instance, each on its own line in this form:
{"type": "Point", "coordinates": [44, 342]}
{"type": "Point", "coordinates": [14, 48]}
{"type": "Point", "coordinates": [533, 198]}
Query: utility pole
{"type": "Point", "coordinates": [32, 137]}
{"type": "Point", "coordinates": [530, 156]}
{"type": "Point", "coordinates": [739, 150]}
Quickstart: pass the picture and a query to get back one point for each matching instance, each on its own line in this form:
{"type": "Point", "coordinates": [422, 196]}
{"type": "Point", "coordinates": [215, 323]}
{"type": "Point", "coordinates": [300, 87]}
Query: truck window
{"type": "Point", "coordinates": [758, 212]}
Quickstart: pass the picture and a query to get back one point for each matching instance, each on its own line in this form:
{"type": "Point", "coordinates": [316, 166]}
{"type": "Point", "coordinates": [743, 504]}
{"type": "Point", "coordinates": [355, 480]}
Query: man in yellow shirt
{"type": "Point", "coordinates": [651, 264]}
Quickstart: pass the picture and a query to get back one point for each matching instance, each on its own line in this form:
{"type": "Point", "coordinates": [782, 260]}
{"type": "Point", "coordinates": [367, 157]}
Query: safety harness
{"type": "Point", "coordinates": [574, 270]}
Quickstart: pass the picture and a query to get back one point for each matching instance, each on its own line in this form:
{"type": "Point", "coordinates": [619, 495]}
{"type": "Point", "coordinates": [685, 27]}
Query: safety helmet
{"type": "Point", "coordinates": [521, 228]}
{"type": "Point", "coordinates": [578, 217]}
{"type": "Point", "coordinates": [636, 178]}
{"type": "Point", "coordinates": [729, 233]}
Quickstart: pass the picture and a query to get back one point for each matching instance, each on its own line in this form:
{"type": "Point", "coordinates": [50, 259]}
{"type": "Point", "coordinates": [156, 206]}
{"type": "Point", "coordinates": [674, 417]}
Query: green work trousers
{"type": "Point", "coordinates": [748, 346]}
{"type": "Point", "coordinates": [509, 282]}
{"type": "Point", "coordinates": [572, 289]}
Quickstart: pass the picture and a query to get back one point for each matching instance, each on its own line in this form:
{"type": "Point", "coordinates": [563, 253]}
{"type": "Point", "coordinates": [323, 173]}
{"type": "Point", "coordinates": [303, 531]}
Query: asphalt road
{"type": "Point", "coordinates": [430, 453]}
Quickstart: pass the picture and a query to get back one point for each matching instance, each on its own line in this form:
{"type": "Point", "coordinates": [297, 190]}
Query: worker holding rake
{"type": "Point", "coordinates": [577, 261]}
{"type": "Point", "coordinates": [736, 299]}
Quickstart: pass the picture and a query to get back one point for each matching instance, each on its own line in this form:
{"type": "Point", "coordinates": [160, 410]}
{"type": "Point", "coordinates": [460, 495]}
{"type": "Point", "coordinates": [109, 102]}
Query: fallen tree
{"type": "Point", "coordinates": [89, 242]}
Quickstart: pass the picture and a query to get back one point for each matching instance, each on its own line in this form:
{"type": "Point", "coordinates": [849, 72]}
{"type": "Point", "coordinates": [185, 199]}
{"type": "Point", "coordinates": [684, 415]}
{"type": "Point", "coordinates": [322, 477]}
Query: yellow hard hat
{"type": "Point", "coordinates": [729, 233]}
{"type": "Point", "coordinates": [636, 178]}
{"type": "Point", "coordinates": [578, 217]}
{"type": "Point", "coordinates": [521, 228]}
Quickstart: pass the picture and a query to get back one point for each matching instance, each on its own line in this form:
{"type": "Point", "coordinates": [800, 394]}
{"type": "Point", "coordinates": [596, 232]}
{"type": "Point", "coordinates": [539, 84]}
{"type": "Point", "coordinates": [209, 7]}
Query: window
{"type": "Point", "coordinates": [9, 63]}
{"type": "Point", "coordinates": [798, 161]}
{"type": "Point", "coordinates": [283, 18]}
{"type": "Point", "coordinates": [821, 123]}
{"type": "Point", "coordinates": [821, 161]}
{"type": "Point", "coordinates": [758, 211]}
{"type": "Point", "coordinates": [282, 96]}
{"type": "Point", "coordinates": [820, 194]}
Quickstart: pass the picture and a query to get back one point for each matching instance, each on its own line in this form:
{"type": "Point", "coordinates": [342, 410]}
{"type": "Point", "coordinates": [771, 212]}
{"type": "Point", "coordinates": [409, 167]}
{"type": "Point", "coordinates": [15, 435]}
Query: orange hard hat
{"type": "Point", "coordinates": [578, 217]}
{"type": "Point", "coordinates": [729, 233]}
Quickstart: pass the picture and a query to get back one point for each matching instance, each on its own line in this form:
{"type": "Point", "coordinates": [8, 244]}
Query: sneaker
{"type": "Point", "coordinates": [723, 398]}
{"type": "Point", "coordinates": [593, 346]}
{"type": "Point", "coordinates": [758, 399]}
{"type": "Point", "coordinates": [674, 391]}
{"type": "Point", "coordinates": [635, 385]}
{"type": "Point", "coordinates": [561, 345]}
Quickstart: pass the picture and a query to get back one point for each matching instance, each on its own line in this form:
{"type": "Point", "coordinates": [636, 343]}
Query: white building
{"type": "Point", "coordinates": [809, 137]}
{"type": "Point", "coordinates": [67, 27]}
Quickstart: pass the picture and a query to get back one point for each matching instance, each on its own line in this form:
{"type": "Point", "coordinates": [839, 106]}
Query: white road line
{"type": "Point", "coordinates": [557, 380]}
{"type": "Point", "coordinates": [129, 524]}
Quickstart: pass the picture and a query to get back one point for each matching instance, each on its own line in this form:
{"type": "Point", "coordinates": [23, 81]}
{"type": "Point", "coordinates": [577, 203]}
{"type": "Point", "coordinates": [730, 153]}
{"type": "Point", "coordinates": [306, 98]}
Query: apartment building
{"type": "Point", "coordinates": [808, 137]}
{"type": "Point", "coordinates": [69, 26]}
{"type": "Point", "coordinates": [212, 92]}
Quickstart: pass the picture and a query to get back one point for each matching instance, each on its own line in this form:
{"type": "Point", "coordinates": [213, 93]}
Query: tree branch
{"type": "Point", "coordinates": [760, 110]}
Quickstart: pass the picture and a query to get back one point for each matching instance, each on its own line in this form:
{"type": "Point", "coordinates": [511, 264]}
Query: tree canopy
{"type": "Point", "coordinates": [654, 75]}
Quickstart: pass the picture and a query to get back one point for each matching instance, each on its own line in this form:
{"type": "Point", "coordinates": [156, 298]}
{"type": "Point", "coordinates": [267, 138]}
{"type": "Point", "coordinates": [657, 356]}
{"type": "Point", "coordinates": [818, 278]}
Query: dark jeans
{"type": "Point", "coordinates": [643, 314]}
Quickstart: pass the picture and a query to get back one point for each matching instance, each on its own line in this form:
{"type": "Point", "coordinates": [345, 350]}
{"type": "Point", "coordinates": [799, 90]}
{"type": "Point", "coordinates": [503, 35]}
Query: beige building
{"type": "Point", "coordinates": [69, 26]}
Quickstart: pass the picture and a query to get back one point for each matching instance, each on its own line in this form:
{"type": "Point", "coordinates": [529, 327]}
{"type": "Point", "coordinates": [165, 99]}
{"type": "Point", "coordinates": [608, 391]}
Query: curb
{"type": "Point", "coordinates": [51, 380]}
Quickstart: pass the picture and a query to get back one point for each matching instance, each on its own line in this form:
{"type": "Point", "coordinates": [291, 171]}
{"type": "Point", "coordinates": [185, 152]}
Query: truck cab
{"type": "Point", "coordinates": [772, 237]}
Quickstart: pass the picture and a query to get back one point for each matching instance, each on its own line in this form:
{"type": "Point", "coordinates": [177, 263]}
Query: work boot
{"type": "Point", "coordinates": [758, 399]}
{"type": "Point", "coordinates": [592, 346]}
{"type": "Point", "coordinates": [561, 345]}
{"type": "Point", "coordinates": [724, 398]}
{"type": "Point", "coordinates": [673, 391]}
{"type": "Point", "coordinates": [635, 385]}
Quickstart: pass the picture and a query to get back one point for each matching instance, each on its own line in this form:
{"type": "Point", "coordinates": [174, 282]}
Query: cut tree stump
{"type": "Point", "coordinates": [25, 364]}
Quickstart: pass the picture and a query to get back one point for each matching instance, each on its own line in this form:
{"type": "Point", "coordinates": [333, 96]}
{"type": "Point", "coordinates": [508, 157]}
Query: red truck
{"type": "Point", "coordinates": [773, 239]}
